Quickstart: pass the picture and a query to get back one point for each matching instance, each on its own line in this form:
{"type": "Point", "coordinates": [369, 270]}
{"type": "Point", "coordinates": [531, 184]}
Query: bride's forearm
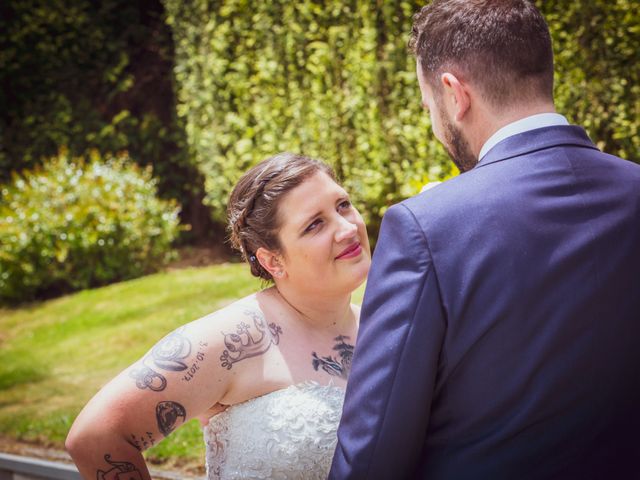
{"type": "Point", "coordinates": [129, 414]}
{"type": "Point", "coordinates": [105, 457]}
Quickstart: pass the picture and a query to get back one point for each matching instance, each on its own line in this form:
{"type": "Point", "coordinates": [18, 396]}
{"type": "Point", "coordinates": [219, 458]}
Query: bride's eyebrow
{"type": "Point", "coordinates": [309, 219]}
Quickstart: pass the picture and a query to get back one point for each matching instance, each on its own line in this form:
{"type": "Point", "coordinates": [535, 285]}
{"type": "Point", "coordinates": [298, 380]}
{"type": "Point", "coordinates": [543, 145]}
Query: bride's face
{"type": "Point", "coordinates": [323, 237]}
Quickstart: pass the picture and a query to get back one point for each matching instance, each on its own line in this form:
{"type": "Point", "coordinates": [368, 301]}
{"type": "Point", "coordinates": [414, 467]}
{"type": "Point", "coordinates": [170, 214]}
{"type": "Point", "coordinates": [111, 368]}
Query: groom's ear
{"type": "Point", "coordinates": [458, 94]}
{"type": "Point", "coordinates": [271, 262]}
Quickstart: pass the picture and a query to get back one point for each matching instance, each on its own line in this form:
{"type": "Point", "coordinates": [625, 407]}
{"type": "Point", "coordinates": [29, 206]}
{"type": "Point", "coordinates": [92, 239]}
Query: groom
{"type": "Point", "coordinates": [500, 332]}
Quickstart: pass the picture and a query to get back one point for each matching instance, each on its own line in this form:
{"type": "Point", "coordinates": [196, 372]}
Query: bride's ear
{"type": "Point", "coordinates": [271, 262]}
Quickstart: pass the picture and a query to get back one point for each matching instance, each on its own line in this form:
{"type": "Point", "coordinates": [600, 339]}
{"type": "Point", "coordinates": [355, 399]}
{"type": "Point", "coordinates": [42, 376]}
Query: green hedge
{"type": "Point", "coordinates": [71, 224]}
{"type": "Point", "coordinates": [334, 80]}
{"type": "Point", "coordinates": [331, 80]}
{"type": "Point", "coordinates": [596, 45]}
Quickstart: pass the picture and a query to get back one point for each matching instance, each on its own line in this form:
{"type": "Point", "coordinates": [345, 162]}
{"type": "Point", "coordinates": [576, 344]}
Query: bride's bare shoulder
{"type": "Point", "coordinates": [239, 315]}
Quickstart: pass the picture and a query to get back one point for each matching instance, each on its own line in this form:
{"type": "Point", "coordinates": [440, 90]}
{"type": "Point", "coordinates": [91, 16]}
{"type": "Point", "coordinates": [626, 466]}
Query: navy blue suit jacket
{"type": "Point", "coordinates": [500, 329]}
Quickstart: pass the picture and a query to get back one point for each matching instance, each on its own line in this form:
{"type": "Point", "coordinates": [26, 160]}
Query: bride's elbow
{"type": "Point", "coordinates": [84, 437]}
{"type": "Point", "coordinates": [71, 444]}
{"type": "Point", "coordinates": [77, 439]}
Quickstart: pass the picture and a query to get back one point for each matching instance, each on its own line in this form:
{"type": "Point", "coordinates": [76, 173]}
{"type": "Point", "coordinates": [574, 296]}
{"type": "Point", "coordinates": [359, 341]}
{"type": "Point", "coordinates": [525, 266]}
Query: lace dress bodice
{"type": "Point", "coordinates": [286, 434]}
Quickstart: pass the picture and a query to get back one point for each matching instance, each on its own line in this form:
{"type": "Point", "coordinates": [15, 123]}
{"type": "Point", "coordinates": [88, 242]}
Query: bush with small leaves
{"type": "Point", "coordinates": [73, 224]}
{"type": "Point", "coordinates": [334, 80]}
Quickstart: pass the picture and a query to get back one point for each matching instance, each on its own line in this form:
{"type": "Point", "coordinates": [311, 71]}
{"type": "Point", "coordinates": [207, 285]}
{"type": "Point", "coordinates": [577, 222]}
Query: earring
{"type": "Point", "coordinates": [279, 273]}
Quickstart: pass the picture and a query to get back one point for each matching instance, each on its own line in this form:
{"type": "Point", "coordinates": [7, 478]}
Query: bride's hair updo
{"type": "Point", "coordinates": [252, 210]}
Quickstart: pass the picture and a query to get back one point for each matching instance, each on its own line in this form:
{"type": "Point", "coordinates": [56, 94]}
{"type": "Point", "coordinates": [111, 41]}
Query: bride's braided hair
{"type": "Point", "coordinates": [252, 210]}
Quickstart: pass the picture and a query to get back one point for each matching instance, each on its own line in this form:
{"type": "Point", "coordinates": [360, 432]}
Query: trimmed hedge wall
{"type": "Point", "coordinates": [597, 82]}
{"type": "Point", "coordinates": [334, 80]}
{"type": "Point", "coordinates": [331, 80]}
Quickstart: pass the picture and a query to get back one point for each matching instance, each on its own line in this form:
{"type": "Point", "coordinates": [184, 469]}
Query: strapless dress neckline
{"type": "Point", "coordinates": [286, 434]}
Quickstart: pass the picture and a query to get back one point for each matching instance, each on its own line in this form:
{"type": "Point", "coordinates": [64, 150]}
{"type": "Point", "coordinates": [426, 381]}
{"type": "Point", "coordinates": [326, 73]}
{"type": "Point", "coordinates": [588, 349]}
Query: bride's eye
{"type": "Point", "coordinates": [344, 205]}
{"type": "Point", "coordinates": [313, 225]}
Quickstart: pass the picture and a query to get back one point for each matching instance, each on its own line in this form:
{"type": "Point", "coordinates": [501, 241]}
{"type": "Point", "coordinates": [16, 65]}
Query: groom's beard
{"type": "Point", "coordinates": [456, 145]}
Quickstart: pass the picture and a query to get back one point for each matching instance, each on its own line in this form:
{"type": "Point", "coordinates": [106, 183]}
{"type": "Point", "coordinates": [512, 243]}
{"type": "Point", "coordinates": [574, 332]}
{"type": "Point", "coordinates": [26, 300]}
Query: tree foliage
{"type": "Point", "coordinates": [334, 80]}
{"type": "Point", "coordinates": [91, 76]}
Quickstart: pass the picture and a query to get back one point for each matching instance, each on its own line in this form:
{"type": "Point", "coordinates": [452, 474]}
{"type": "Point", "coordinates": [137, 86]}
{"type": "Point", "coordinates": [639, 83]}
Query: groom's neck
{"type": "Point", "coordinates": [485, 120]}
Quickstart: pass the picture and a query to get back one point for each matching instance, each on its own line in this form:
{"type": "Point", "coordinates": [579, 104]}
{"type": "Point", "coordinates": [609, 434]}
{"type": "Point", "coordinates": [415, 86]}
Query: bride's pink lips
{"type": "Point", "coordinates": [351, 251]}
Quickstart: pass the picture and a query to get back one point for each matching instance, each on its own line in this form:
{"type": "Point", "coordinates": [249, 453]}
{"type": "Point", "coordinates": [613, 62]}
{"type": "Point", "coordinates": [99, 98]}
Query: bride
{"type": "Point", "coordinates": [271, 368]}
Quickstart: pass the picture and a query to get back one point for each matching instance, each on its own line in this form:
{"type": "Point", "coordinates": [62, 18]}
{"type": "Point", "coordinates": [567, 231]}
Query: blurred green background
{"type": "Point", "coordinates": [124, 124]}
{"type": "Point", "coordinates": [203, 89]}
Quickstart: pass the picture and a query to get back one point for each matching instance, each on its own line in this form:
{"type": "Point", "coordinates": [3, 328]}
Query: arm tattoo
{"type": "Point", "coordinates": [167, 414]}
{"type": "Point", "coordinates": [117, 471]}
{"type": "Point", "coordinates": [142, 442]}
{"type": "Point", "coordinates": [333, 366]}
{"type": "Point", "coordinates": [146, 377]}
{"type": "Point", "coordinates": [167, 354]}
{"type": "Point", "coordinates": [242, 345]}
{"type": "Point", "coordinates": [195, 366]}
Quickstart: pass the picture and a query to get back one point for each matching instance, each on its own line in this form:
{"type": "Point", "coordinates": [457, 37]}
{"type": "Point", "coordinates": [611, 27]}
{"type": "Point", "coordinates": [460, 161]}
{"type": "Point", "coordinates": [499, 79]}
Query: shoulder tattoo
{"type": "Point", "coordinates": [339, 366]}
{"type": "Point", "coordinates": [243, 344]}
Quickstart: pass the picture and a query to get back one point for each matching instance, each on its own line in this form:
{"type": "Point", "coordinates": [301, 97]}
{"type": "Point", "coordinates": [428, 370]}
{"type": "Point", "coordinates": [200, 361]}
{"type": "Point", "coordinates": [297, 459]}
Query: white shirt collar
{"type": "Point", "coordinates": [539, 120]}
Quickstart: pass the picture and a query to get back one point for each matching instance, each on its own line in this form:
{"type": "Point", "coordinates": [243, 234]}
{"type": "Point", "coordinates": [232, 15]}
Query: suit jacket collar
{"type": "Point", "coordinates": [535, 140]}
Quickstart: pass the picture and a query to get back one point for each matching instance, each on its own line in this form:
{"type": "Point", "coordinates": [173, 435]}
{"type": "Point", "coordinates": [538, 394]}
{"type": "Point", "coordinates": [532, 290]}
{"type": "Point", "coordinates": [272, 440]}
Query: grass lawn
{"type": "Point", "coordinates": [55, 355]}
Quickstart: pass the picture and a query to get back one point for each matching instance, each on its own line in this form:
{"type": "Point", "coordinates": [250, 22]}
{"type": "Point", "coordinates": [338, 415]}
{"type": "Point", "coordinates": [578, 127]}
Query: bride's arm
{"type": "Point", "coordinates": [180, 378]}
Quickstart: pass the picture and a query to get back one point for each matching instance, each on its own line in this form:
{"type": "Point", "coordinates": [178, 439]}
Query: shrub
{"type": "Point", "coordinates": [93, 75]}
{"type": "Point", "coordinates": [73, 224]}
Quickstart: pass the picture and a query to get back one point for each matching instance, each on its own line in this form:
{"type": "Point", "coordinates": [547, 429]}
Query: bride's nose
{"type": "Point", "coordinates": [346, 230]}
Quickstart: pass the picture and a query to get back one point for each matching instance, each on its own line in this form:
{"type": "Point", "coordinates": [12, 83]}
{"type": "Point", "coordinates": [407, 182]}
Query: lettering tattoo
{"type": "Point", "coordinates": [142, 442]}
{"type": "Point", "coordinates": [168, 414]}
{"type": "Point", "coordinates": [195, 366]}
{"type": "Point", "coordinates": [243, 345]}
{"type": "Point", "coordinates": [167, 354]}
{"type": "Point", "coordinates": [339, 367]}
{"type": "Point", "coordinates": [120, 471]}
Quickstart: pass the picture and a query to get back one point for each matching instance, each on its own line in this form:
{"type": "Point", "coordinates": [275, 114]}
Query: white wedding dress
{"type": "Point", "coordinates": [286, 434]}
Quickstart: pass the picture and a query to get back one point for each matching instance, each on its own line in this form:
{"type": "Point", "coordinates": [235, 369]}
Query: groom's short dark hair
{"type": "Point", "coordinates": [503, 46]}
